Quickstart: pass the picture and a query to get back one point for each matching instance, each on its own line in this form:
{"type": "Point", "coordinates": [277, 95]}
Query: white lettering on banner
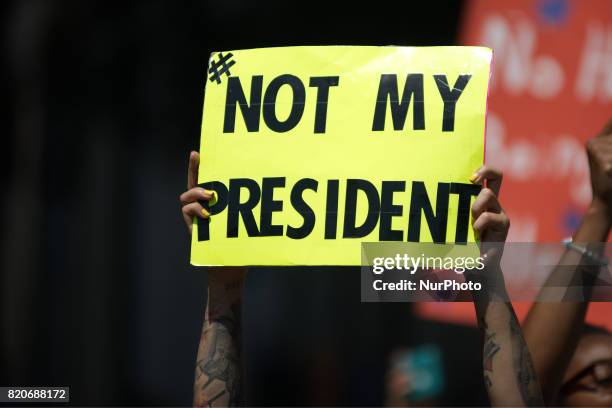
{"type": "Point", "coordinates": [523, 160]}
{"type": "Point", "coordinates": [595, 71]}
{"type": "Point", "coordinates": [516, 67]}
{"type": "Point", "coordinates": [519, 69]}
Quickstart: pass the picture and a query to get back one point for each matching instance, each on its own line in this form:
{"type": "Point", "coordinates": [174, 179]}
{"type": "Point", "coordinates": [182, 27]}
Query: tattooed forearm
{"type": "Point", "coordinates": [526, 375]}
{"type": "Point", "coordinates": [490, 348]}
{"type": "Point", "coordinates": [508, 372]}
{"type": "Point", "coordinates": [489, 351]}
{"type": "Point", "coordinates": [218, 379]}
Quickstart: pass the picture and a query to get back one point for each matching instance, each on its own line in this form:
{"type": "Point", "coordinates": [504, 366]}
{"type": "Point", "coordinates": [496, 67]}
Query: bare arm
{"type": "Point", "coordinates": [510, 377]}
{"type": "Point", "coordinates": [508, 371]}
{"type": "Point", "coordinates": [218, 373]}
{"type": "Point", "coordinates": [552, 329]}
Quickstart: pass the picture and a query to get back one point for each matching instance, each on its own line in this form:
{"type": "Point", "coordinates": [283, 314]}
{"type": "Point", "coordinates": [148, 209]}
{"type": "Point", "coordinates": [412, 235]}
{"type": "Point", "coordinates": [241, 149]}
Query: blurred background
{"type": "Point", "coordinates": [104, 105]}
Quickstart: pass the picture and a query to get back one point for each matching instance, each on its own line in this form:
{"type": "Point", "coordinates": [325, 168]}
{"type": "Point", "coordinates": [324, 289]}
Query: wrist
{"type": "Point", "coordinates": [595, 224]}
{"type": "Point", "coordinates": [224, 293]}
{"type": "Point", "coordinates": [601, 208]}
{"type": "Point", "coordinates": [225, 286]}
{"type": "Point", "coordinates": [226, 278]}
{"type": "Point", "coordinates": [222, 304]}
{"type": "Point", "coordinates": [491, 280]}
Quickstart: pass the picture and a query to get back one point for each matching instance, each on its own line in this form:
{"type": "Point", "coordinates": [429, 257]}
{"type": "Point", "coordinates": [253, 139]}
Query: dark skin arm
{"type": "Point", "coordinates": [552, 329]}
{"type": "Point", "coordinates": [218, 373]}
{"type": "Point", "coordinates": [508, 371]}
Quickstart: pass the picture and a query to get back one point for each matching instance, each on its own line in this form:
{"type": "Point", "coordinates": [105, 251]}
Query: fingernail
{"type": "Point", "coordinates": [205, 213]}
{"type": "Point", "coordinates": [211, 196]}
{"type": "Point", "coordinates": [214, 198]}
{"type": "Point", "coordinates": [474, 177]}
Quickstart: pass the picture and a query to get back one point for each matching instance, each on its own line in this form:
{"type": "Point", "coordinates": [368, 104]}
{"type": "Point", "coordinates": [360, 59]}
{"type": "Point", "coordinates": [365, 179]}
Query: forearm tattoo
{"type": "Point", "coordinates": [525, 372]}
{"type": "Point", "coordinates": [522, 366]}
{"type": "Point", "coordinates": [218, 380]}
{"type": "Point", "coordinates": [489, 350]}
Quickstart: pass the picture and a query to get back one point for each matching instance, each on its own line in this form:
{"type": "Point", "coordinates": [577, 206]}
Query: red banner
{"type": "Point", "coordinates": [551, 91]}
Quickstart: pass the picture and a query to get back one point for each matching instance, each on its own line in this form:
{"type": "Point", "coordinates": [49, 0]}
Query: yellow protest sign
{"type": "Point", "coordinates": [313, 150]}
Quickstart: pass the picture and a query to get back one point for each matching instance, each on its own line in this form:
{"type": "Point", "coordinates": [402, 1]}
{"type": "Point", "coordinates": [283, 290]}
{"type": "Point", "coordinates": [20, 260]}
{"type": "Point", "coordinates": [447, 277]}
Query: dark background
{"type": "Point", "coordinates": [104, 105]}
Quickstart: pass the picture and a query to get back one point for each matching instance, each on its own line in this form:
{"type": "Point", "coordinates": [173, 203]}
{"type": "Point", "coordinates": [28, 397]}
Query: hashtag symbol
{"type": "Point", "coordinates": [220, 67]}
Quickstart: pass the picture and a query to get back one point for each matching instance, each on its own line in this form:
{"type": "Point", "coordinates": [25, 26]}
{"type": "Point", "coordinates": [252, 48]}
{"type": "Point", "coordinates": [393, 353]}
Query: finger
{"type": "Point", "coordinates": [192, 210]}
{"type": "Point", "coordinates": [196, 210]}
{"type": "Point", "coordinates": [485, 201]}
{"type": "Point", "coordinates": [188, 221]}
{"type": "Point", "coordinates": [192, 173]}
{"type": "Point", "coordinates": [195, 194]}
{"type": "Point", "coordinates": [488, 221]}
{"type": "Point", "coordinates": [488, 176]}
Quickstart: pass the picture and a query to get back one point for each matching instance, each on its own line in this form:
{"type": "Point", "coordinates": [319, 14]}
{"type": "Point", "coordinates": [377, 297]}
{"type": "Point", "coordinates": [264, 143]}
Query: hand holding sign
{"type": "Point", "coordinates": [191, 208]}
{"type": "Point", "coordinates": [489, 219]}
{"type": "Point", "coordinates": [189, 199]}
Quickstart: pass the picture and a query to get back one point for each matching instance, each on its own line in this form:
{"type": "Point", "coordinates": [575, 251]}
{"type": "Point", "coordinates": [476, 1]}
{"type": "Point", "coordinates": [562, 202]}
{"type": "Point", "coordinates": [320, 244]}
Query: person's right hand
{"type": "Point", "coordinates": [490, 221]}
{"type": "Point", "coordinates": [189, 199]}
{"type": "Point", "coordinates": [599, 152]}
{"type": "Point", "coordinates": [226, 283]}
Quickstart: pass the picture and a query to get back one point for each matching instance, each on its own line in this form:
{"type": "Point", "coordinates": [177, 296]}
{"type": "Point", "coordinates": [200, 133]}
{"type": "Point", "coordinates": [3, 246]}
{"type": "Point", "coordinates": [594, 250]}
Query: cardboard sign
{"type": "Point", "coordinates": [313, 150]}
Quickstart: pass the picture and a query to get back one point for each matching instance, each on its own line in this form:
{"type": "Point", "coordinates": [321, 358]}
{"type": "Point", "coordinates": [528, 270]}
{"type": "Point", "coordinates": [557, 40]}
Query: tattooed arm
{"type": "Point", "coordinates": [218, 374]}
{"type": "Point", "coordinates": [553, 325]}
{"type": "Point", "coordinates": [509, 375]}
{"type": "Point", "coordinates": [508, 371]}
